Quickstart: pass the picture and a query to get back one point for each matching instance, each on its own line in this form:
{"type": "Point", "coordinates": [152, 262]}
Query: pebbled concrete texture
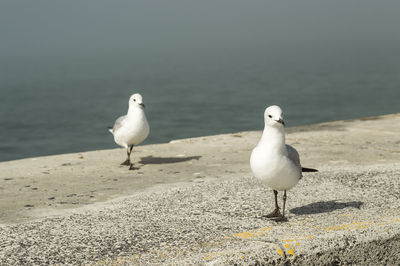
{"type": "Point", "coordinates": [195, 202]}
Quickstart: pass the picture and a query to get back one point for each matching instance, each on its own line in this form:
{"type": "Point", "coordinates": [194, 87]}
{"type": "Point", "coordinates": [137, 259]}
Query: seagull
{"type": "Point", "coordinates": [131, 129]}
{"type": "Point", "coordinates": [275, 163]}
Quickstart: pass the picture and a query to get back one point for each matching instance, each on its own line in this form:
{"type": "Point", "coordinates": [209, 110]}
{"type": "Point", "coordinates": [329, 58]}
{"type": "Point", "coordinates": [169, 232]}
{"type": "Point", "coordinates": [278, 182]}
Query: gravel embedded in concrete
{"type": "Point", "coordinates": [349, 212]}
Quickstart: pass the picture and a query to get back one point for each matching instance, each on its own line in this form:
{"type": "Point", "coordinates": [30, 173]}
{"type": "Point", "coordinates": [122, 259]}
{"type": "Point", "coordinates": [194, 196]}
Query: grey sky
{"type": "Point", "coordinates": [94, 26]}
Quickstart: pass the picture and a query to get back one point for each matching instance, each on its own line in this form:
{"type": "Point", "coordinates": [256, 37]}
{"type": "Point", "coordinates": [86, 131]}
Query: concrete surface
{"type": "Point", "coordinates": [194, 201]}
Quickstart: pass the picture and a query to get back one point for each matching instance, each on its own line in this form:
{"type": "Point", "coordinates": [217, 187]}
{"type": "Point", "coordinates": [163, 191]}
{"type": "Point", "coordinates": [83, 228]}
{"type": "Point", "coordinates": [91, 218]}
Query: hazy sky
{"type": "Point", "coordinates": [102, 26]}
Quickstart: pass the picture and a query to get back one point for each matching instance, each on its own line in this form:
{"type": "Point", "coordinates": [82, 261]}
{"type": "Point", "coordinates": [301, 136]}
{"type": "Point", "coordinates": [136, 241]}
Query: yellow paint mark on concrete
{"type": "Point", "coordinates": [363, 225]}
{"type": "Point", "coordinates": [245, 235]}
{"type": "Point", "coordinates": [290, 249]}
{"type": "Point", "coordinates": [260, 232]}
{"type": "Point", "coordinates": [280, 252]}
{"type": "Point", "coordinates": [209, 256]}
{"type": "Point", "coordinates": [395, 220]}
{"type": "Point", "coordinates": [357, 225]}
{"type": "Point", "coordinates": [290, 240]}
{"type": "Point", "coordinates": [266, 229]}
{"type": "Point", "coordinates": [335, 228]}
{"type": "Point", "coordinates": [99, 262]}
{"type": "Point", "coordinates": [291, 252]}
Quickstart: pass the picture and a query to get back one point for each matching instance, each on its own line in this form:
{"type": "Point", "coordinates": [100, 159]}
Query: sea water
{"type": "Point", "coordinates": [63, 86]}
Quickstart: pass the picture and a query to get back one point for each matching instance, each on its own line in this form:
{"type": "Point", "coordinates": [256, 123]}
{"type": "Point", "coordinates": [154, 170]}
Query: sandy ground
{"type": "Point", "coordinates": [195, 201]}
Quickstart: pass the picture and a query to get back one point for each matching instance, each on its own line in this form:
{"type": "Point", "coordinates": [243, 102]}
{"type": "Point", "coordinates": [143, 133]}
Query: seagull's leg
{"type": "Point", "coordinates": [276, 212]}
{"type": "Point", "coordinates": [128, 153]}
{"type": "Point", "coordinates": [130, 163]}
{"type": "Point", "coordinates": [282, 217]}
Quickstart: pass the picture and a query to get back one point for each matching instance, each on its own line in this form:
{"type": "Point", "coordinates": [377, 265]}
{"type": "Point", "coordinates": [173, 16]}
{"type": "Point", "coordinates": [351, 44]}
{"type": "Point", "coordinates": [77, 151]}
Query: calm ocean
{"type": "Point", "coordinates": [61, 101]}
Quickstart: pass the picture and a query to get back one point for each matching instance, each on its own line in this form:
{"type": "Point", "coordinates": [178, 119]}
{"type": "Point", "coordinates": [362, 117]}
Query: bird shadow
{"type": "Point", "coordinates": [166, 160]}
{"type": "Point", "coordinates": [325, 206]}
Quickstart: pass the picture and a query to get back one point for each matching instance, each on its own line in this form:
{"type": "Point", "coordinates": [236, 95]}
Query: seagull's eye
{"type": "Point", "coordinates": [134, 100]}
{"type": "Point", "coordinates": [270, 116]}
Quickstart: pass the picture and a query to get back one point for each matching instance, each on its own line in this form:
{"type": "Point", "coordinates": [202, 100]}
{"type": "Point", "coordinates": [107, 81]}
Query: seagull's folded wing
{"type": "Point", "coordinates": [118, 123]}
{"type": "Point", "coordinates": [294, 156]}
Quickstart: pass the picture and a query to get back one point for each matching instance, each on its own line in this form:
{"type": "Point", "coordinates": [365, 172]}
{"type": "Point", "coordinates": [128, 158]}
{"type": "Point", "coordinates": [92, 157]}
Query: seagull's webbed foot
{"type": "Point", "coordinates": [127, 162]}
{"type": "Point", "coordinates": [281, 219]}
{"type": "Point", "coordinates": [273, 214]}
{"type": "Point", "coordinates": [131, 167]}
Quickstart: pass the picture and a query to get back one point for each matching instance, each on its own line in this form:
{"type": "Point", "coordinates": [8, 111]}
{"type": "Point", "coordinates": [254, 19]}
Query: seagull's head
{"type": "Point", "coordinates": [273, 116]}
{"type": "Point", "coordinates": [136, 100]}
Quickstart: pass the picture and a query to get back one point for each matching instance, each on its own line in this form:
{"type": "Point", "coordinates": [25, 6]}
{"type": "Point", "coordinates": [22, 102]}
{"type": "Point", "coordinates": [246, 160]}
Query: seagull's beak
{"type": "Point", "coordinates": [280, 121]}
{"type": "Point", "coordinates": [142, 105]}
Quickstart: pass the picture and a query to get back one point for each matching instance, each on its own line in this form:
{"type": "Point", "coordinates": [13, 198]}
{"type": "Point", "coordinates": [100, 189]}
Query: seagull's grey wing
{"type": "Point", "coordinates": [294, 157]}
{"type": "Point", "coordinates": [118, 123]}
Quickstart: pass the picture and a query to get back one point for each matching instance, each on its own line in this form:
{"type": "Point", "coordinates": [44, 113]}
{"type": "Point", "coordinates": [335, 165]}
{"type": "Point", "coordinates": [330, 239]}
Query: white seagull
{"type": "Point", "coordinates": [131, 129]}
{"type": "Point", "coordinates": [275, 163]}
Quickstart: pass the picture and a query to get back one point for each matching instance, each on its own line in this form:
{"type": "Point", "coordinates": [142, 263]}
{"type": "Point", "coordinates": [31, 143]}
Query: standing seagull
{"type": "Point", "coordinates": [273, 162]}
{"type": "Point", "coordinates": [131, 129]}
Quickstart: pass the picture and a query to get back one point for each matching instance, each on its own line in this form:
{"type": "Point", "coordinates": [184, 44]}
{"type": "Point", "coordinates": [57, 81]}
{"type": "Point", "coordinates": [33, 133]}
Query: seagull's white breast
{"type": "Point", "coordinates": [134, 130]}
{"type": "Point", "coordinates": [274, 168]}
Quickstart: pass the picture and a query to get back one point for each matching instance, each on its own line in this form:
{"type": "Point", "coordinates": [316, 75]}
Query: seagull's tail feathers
{"type": "Point", "coordinates": [111, 130]}
{"type": "Point", "coordinates": [304, 169]}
